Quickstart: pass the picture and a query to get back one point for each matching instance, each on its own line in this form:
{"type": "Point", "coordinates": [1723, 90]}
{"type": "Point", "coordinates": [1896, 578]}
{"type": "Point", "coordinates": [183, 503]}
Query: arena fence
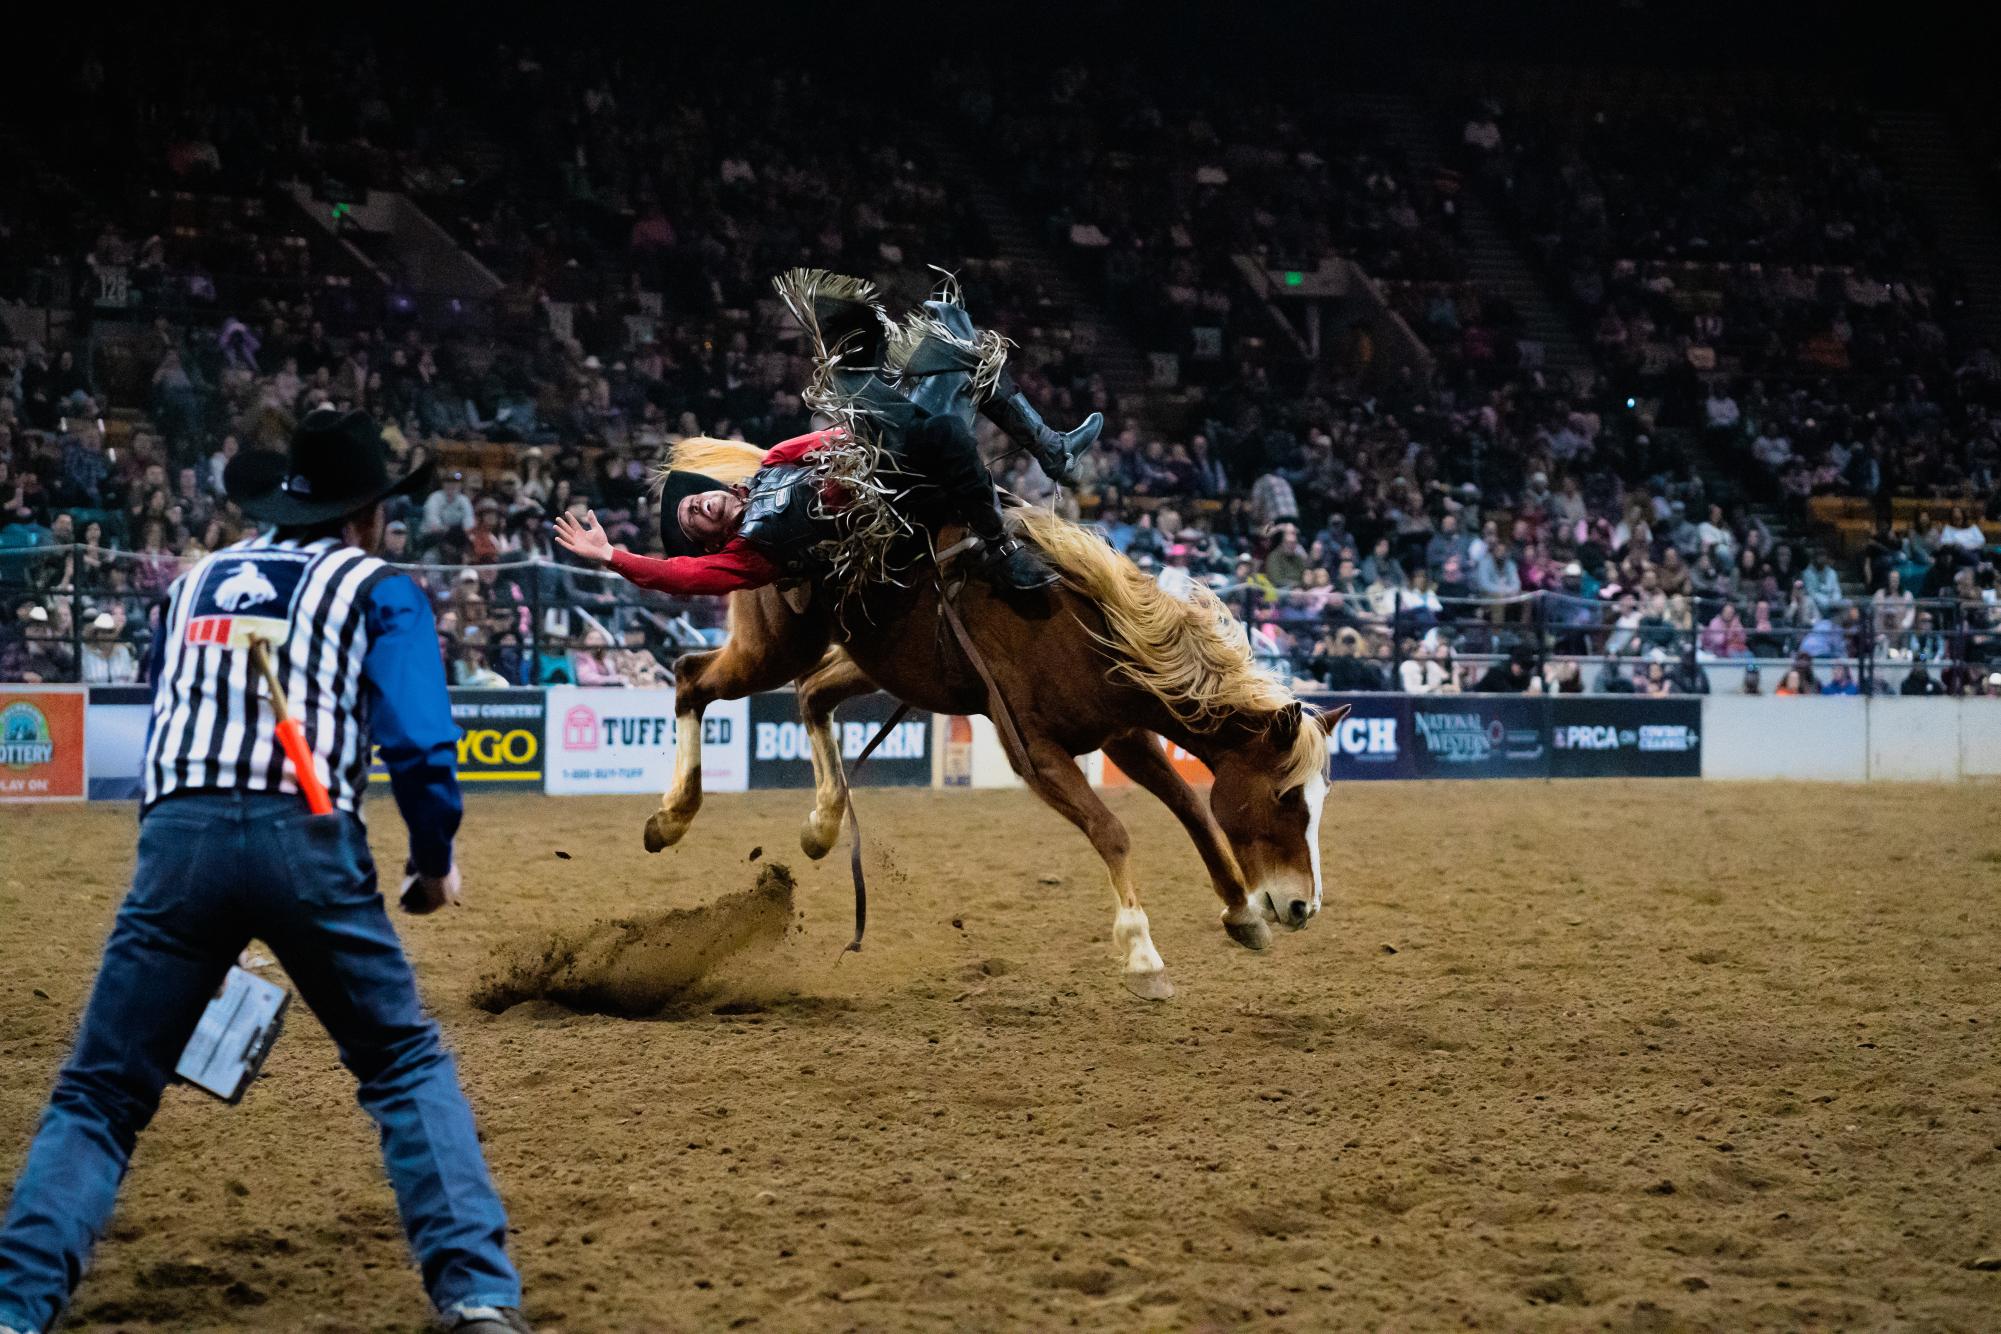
{"type": "Point", "coordinates": [525, 621]}
{"type": "Point", "coordinates": [71, 742]}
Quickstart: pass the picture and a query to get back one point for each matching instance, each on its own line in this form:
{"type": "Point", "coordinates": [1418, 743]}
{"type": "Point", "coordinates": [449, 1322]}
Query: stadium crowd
{"type": "Point", "coordinates": [1791, 335]}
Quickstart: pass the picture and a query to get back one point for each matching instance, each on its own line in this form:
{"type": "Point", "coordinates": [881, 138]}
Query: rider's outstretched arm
{"type": "Point", "coordinates": [737, 565]}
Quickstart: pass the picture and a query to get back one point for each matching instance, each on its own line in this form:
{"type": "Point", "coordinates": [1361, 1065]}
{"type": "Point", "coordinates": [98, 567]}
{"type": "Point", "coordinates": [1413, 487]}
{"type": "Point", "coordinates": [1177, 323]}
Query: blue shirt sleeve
{"type": "Point", "coordinates": [410, 718]}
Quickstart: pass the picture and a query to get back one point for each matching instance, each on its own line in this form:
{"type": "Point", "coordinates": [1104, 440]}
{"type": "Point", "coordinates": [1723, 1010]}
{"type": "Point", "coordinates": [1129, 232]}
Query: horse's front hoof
{"type": "Point", "coordinates": [1149, 986]}
{"type": "Point", "coordinates": [815, 840]}
{"type": "Point", "coordinates": [1251, 933]}
{"type": "Point", "coordinates": [664, 830]}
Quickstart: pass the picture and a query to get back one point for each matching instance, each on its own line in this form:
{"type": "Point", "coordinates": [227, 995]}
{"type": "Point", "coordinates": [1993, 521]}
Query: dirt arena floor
{"type": "Point", "coordinates": [1574, 1056]}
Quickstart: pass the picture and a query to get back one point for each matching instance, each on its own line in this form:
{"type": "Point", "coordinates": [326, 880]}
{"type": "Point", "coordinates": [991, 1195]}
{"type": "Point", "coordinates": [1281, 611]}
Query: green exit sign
{"type": "Point", "coordinates": [1294, 278]}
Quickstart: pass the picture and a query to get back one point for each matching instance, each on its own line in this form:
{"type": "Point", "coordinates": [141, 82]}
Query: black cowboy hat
{"type": "Point", "coordinates": [338, 463]}
{"type": "Point", "coordinates": [681, 484]}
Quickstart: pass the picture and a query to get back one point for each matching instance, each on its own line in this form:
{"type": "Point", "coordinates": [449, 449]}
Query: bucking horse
{"type": "Point", "coordinates": [1107, 660]}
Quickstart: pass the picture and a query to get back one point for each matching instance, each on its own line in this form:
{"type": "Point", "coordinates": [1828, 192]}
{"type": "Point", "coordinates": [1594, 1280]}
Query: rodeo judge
{"type": "Point", "coordinates": [228, 850]}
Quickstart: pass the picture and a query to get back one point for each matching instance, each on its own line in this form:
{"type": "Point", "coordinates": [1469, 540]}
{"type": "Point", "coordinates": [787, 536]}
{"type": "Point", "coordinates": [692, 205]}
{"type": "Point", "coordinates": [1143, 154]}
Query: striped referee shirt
{"type": "Point", "coordinates": [357, 654]}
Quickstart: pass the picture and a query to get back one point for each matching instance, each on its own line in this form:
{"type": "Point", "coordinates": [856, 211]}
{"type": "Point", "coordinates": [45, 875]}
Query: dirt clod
{"type": "Point", "coordinates": [641, 966]}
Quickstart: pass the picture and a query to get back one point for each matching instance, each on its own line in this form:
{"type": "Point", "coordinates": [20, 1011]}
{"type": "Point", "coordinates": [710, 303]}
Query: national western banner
{"type": "Point", "coordinates": [1479, 736]}
{"type": "Point", "coordinates": [781, 752]}
{"type": "Point", "coordinates": [41, 743]}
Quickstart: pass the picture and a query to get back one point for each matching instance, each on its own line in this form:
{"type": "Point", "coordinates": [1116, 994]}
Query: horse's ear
{"type": "Point", "coordinates": [1331, 718]}
{"type": "Point", "coordinates": [1284, 729]}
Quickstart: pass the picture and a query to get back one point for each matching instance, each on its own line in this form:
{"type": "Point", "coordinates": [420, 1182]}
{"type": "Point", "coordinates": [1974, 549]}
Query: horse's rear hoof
{"type": "Point", "coordinates": [814, 841]}
{"type": "Point", "coordinates": [1252, 934]}
{"type": "Point", "coordinates": [664, 831]}
{"type": "Point", "coordinates": [1149, 986]}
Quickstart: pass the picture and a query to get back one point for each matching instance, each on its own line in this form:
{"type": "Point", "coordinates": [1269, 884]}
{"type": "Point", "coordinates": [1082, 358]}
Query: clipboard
{"type": "Point", "coordinates": [236, 1033]}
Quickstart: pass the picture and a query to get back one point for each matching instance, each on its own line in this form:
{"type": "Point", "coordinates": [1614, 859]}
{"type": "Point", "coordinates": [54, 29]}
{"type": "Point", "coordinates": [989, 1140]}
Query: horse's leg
{"type": "Point", "coordinates": [766, 648]}
{"type": "Point", "coordinates": [1140, 756]}
{"type": "Point", "coordinates": [836, 679]}
{"type": "Point", "coordinates": [1054, 776]}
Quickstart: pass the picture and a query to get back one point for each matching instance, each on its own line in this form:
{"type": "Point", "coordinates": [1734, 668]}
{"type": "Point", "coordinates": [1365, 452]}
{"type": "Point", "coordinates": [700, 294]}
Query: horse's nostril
{"type": "Point", "coordinates": [1297, 909]}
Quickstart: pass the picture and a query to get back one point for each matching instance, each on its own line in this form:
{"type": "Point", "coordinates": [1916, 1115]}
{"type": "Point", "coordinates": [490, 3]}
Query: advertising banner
{"type": "Point", "coordinates": [1614, 737]}
{"type": "Point", "coordinates": [781, 752]}
{"type": "Point", "coordinates": [41, 743]}
{"type": "Point", "coordinates": [610, 740]}
{"type": "Point", "coordinates": [504, 739]}
{"type": "Point", "coordinates": [114, 740]}
{"type": "Point", "coordinates": [1373, 741]}
{"type": "Point", "coordinates": [1479, 736]}
{"type": "Point", "coordinates": [1192, 771]}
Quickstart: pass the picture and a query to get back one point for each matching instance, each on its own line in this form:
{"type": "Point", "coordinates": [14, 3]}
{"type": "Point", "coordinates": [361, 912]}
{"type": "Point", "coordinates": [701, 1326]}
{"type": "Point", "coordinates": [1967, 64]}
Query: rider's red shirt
{"type": "Point", "coordinates": [737, 565]}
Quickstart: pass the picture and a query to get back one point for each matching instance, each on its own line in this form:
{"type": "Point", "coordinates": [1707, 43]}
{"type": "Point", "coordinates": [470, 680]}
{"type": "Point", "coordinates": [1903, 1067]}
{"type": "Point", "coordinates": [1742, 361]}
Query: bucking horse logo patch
{"type": "Point", "coordinates": [247, 595]}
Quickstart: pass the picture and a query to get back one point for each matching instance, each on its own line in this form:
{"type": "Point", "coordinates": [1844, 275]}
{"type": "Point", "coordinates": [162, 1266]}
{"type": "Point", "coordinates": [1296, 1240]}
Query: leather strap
{"type": "Point", "coordinates": [855, 824]}
{"type": "Point", "coordinates": [997, 708]}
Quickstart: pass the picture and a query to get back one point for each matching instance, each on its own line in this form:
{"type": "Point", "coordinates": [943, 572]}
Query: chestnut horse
{"type": "Point", "coordinates": [1105, 661]}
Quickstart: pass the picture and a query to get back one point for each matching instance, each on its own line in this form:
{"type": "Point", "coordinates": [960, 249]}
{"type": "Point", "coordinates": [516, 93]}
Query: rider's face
{"type": "Point", "coordinates": [711, 518]}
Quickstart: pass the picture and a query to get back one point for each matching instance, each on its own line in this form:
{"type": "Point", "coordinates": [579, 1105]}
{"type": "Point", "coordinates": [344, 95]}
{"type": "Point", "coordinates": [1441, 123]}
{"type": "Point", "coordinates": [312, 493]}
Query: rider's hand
{"type": "Point", "coordinates": [428, 893]}
{"type": "Point", "coordinates": [584, 539]}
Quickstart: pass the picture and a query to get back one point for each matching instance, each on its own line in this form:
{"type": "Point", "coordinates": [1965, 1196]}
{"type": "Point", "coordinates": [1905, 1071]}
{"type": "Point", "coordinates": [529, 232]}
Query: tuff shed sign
{"type": "Point", "coordinates": [609, 740]}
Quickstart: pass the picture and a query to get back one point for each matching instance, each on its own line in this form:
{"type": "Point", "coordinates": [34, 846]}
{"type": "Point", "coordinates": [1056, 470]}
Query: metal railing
{"type": "Point", "coordinates": [65, 610]}
{"type": "Point", "coordinates": [77, 613]}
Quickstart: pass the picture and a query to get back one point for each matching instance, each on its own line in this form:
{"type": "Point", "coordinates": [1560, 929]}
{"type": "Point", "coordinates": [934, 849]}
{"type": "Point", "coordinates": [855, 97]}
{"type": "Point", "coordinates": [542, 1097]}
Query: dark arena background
{"type": "Point", "coordinates": [1598, 401]}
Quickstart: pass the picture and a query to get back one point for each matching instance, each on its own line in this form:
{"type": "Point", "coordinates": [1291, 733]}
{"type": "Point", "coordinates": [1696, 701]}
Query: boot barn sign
{"type": "Point", "coordinates": [781, 751]}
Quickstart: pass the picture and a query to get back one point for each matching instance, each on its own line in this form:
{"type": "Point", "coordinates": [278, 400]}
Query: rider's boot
{"type": "Point", "coordinates": [1057, 451]}
{"type": "Point", "coordinates": [1009, 564]}
{"type": "Point", "coordinates": [953, 461]}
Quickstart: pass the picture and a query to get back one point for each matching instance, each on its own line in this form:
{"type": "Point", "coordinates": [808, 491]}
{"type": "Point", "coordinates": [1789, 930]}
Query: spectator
{"type": "Point", "coordinates": [1962, 532]}
{"type": "Point", "coordinates": [1287, 564]}
{"type": "Point", "coordinates": [1495, 575]}
{"type": "Point", "coordinates": [471, 669]}
{"type": "Point", "coordinates": [1823, 584]}
{"type": "Point", "coordinates": [1421, 672]}
{"type": "Point", "coordinates": [1272, 502]}
{"type": "Point", "coordinates": [1512, 675]}
{"type": "Point", "coordinates": [637, 666]}
{"type": "Point", "coordinates": [1920, 681]}
{"type": "Point", "coordinates": [1724, 636]}
{"type": "Point", "coordinates": [1752, 681]}
{"type": "Point", "coordinates": [1447, 544]}
{"type": "Point", "coordinates": [447, 508]}
{"type": "Point", "coordinates": [106, 660]}
{"type": "Point", "coordinates": [592, 662]}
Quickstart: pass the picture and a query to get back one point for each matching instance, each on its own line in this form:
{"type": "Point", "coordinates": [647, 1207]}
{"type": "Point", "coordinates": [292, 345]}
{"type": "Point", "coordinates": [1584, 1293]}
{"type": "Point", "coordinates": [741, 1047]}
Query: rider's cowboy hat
{"type": "Point", "coordinates": [677, 487]}
{"type": "Point", "coordinates": [338, 463]}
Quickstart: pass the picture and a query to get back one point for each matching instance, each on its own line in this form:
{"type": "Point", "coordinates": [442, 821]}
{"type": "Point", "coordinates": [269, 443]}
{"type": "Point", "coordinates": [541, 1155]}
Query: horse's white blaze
{"type": "Point", "coordinates": [1135, 940]}
{"type": "Point", "coordinates": [1316, 798]}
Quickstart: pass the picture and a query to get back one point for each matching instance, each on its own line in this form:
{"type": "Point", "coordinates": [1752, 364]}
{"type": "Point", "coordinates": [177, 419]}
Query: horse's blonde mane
{"type": "Point", "coordinates": [728, 461]}
{"type": "Point", "coordinates": [1189, 653]}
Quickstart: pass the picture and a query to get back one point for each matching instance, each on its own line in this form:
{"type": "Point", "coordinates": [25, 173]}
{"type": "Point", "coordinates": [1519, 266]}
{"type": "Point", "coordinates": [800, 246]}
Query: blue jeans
{"type": "Point", "coordinates": [214, 870]}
